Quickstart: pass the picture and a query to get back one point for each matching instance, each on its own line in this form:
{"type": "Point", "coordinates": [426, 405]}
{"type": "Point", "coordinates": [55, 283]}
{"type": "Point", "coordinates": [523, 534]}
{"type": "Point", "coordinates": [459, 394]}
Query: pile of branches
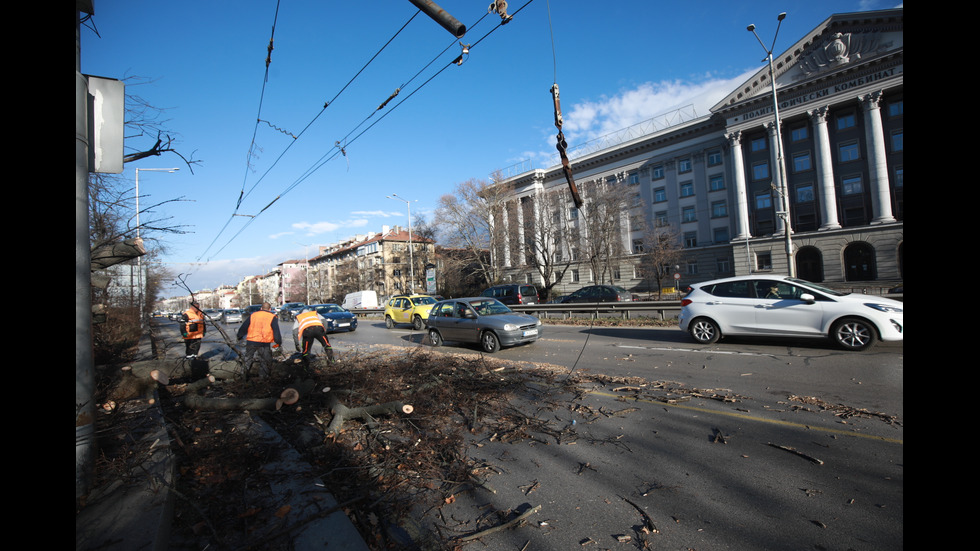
{"type": "Point", "coordinates": [385, 431]}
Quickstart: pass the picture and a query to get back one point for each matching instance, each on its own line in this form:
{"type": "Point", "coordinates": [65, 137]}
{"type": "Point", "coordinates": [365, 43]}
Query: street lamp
{"type": "Point", "coordinates": [139, 261]}
{"type": "Point", "coordinates": [784, 197]}
{"type": "Point", "coordinates": [411, 262]}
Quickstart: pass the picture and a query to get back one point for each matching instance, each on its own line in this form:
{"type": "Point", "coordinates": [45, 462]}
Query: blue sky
{"type": "Point", "coordinates": [617, 63]}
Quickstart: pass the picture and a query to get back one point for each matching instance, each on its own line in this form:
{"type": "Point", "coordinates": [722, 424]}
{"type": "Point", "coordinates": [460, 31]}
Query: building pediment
{"type": "Point", "coordinates": [840, 44]}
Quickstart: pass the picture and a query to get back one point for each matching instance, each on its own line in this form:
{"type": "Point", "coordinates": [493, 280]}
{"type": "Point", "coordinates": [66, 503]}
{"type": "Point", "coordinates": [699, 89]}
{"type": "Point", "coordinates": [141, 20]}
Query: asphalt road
{"type": "Point", "coordinates": [805, 452]}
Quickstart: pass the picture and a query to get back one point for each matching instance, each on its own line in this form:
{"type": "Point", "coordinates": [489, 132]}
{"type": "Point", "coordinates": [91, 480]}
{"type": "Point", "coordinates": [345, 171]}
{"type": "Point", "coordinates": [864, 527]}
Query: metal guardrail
{"type": "Point", "coordinates": [626, 310]}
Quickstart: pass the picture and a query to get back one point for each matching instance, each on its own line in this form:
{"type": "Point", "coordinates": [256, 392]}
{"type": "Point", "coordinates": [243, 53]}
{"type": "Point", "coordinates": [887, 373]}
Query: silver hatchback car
{"type": "Point", "coordinates": [482, 320]}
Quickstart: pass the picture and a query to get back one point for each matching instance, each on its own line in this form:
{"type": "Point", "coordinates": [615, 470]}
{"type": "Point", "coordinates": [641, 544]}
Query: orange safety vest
{"type": "Point", "coordinates": [195, 323]}
{"type": "Point", "coordinates": [260, 327]}
{"type": "Point", "coordinates": [307, 319]}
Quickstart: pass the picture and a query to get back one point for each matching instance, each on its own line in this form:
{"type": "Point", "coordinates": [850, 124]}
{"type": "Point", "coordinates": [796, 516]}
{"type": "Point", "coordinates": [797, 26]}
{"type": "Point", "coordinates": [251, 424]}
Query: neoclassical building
{"type": "Point", "coordinates": [728, 189]}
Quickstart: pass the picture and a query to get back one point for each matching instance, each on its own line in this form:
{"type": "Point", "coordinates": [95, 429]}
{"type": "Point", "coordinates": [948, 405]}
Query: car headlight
{"type": "Point", "coordinates": [510, 327]}
{"type": "Point", "coordinates": [883, 307]}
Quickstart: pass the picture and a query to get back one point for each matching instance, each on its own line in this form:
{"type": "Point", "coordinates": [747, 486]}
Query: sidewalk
{"type": "Point", "coordinates": [136, 511]}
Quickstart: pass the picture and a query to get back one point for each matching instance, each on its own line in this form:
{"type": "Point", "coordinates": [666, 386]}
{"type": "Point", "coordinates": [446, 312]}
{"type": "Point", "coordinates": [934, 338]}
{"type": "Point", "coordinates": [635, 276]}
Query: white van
{"type": "Point", "coordinates": [361, 299]}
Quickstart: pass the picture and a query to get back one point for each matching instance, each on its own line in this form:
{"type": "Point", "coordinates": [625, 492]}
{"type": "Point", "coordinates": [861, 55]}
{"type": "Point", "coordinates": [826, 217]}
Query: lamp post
{"type": "Point", "coordinates": [411, 262]}
{"type": "Point", "coordinates": [783, 196]}
{"type": "Point", "coordinates": [139, 261]}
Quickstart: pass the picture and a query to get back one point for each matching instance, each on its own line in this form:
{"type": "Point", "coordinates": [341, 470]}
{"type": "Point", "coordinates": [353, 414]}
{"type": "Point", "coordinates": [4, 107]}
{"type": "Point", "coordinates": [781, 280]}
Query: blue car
{"type": "Point", "coordinates": [336, 317]}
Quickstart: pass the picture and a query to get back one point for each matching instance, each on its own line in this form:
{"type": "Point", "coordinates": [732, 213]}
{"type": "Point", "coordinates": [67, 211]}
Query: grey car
{"type": "Point", "coordinates": [233, 315]}
{"type": "Point", "coordinates": [482, 320]}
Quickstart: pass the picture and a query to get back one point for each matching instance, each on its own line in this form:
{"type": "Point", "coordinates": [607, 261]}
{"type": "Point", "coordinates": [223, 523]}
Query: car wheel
{"type": "Point", "coordinates": [854, 334]}
{"type": "Point", "coordinates": [417, 323]}
{"type": "Point", "coordinates": [389, 323]}
{"type": "Point", "coordinates": [489, 342]}
{"type": "Point", "coordinates": [705, 331]}
{"type": "Point", "coordinates": [435, 339]}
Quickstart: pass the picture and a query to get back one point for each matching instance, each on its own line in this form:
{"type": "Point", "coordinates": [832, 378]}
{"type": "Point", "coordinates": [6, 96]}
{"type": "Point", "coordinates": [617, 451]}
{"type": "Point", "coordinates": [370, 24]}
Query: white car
{"type": "Point", "coordinates": [786, 307]}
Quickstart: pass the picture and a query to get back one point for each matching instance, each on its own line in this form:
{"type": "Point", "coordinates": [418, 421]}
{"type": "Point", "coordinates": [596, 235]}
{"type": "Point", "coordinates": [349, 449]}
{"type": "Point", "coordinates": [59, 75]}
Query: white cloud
{"type": "Point", "coordinates": [592, 119]}
{"type": "Point", "coordinates": [317, 228]}
{"type": "Point", "coordinates": [381, 213]}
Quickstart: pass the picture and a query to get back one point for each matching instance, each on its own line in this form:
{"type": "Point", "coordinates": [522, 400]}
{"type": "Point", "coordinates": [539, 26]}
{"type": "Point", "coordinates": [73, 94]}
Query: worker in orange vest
{"type": "Point", "coordinates": [261, 334]}
{"type": "Point", "coordinates": [310, 329]}
{"type": "Point", "coordinates": [192, 328]}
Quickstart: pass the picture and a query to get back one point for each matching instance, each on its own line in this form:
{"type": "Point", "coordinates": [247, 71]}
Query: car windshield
{"type": "Point", "coordinates": [817, 287]}
{"type": "Point", "coordinates": [490, 307]}
{"type": "Point", "coordinates": [419, 301]}
{"type": "Point", "coordinates": [331, 309]}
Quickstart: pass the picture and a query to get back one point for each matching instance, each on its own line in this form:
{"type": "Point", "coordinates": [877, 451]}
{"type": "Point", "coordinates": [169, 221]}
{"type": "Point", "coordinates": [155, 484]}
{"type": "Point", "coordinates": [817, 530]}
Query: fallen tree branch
{"type": "Point", "coordinates": [793, 451]}
{"type": "Point", "coordinates": [516, 520]}
{"type": "Point", "coordinates": [342, 413]}
{"type": "Point", "coordinates": [288, 396]}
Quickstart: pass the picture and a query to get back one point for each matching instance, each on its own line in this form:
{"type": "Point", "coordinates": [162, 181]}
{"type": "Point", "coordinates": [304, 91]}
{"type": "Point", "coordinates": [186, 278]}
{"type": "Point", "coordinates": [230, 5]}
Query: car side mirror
{"type": "Point", "coordinates": [807, 298]}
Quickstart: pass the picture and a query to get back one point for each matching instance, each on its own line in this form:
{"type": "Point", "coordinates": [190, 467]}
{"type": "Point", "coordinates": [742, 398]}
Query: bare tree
{"type": "Point", "coordinates": [603, 215]}
{"type": "Point", "coordinates": [548, 238]}
{"type": "Point", "coordinates": [469, 219]}
{"type": "Point", "coordinates": [661, 252]}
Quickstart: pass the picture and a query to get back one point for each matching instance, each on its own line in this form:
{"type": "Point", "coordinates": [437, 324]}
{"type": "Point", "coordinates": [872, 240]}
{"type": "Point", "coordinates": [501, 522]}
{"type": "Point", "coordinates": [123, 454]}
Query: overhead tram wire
{"type": "Point", "coordinates": [242, 194]}
{"type": "Point", "coordinates": [327, 157]}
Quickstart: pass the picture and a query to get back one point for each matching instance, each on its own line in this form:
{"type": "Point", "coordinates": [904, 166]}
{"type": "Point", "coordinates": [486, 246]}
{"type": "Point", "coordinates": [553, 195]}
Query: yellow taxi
{"type": "Point", "coordinates": [413, 309]}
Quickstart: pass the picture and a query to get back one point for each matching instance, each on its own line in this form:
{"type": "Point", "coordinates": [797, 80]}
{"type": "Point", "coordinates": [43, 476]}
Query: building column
{"type": "Point", "coordinates": [776, 173]}
{"type": "Point", "coordinates": [505, 221]}
{"type": "Point", "coordinates": [741, 199]}
{"type": "Point", "coordinates": [520, 233]}
{"type": "Point", "coordinates": [827, 191]}
{"type": "Point", "coordinates": [881, 203]}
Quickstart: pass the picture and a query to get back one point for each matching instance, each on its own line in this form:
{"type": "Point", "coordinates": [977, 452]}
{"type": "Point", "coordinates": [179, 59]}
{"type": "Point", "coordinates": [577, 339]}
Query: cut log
{"type": "Point", "coordinates": [288, 396]}
{"type": "Point", "coordinates": [137, 381]}
{"type": "Point", "coordinates": [342, 413]}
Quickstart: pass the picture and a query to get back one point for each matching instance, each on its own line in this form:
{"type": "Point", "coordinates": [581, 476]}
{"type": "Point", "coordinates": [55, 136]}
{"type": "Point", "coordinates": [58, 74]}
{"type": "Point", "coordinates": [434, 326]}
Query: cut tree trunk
{"type": "Point", "coordinates": [342, 413]}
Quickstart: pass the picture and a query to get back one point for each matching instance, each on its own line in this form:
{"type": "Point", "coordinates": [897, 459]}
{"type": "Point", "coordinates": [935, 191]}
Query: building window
{"type": "Point", "coordinates": [687, 189]}
{"type": "Point", "coordinates": [760, 171]}
{"type": "Point", "coordinates": [573, 214]}
{"type": "Point", "coordinates": [635, 200]}
{"type": "Point", "coordinates": [763, 201]}
{"type": "Point", "coordinates": [846, 121]}
{"type": "Point", "coordinates": [848, 152]}
{"type": "Point", "coordinates": [659, 195]}
{"type": "Point", "coordinates": [852, 186]}
{"type": "Point", "coordinates": [720, 235]}
{"type": "Point", "coordinates": [657, 172]}
{"type": "Point", "coordinates": [716, 182]}
{"type": "Point", "coordinates": [719, 209]}
{"type": "Point", "coordinates": [804, 193]}
{"type": "Point", "coordinates": [801, 162]}
{"type": "Point", "coordinates": [660, 218]}
{"type": "Point", "coordinates": [723, 265]}
{"type": "Point", "coordinates": [714, 157]}
{"type": "Point", "coordinates": [799, 133]}
{"type": "Point", "coordinates": [689, 214]}
{"type": "Point", "coordinates": [763, 261]}
{"type": "Point", "coordinates": [896, 108]}
{"type": "Point", "coordinates": [898, 140]}
{"type": "Point", "coordinates": [900, 177]}
{"type": "Point", "coordinates": [637, 246]}
{"type": "Point", "coordinates": [636, 222]}
{"type": "Point", "coordinates": [758, 144]}
{"type": "Point", "coordinates": [634, 178]}
{"type": "Point", "coordinates": [690, 239]}
{"type": "Point", "coordinates": [575, 276]}
{"type": "Point", "coordinates": [684, 166]}
{"type": "Point", "coordinates": [528, 278]}
{"type": "Point", "coordinates": [692, 268]}
{"type": "Point", "coordinates": [616, 274]}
